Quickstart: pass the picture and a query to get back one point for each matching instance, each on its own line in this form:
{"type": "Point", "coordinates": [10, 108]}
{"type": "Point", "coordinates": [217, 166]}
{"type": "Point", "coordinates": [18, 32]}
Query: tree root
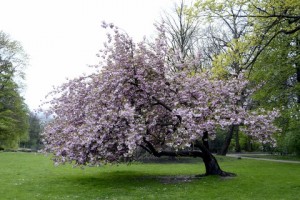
{"type": "Point", "coordinates": [221, 174]}
{"type": "Point", "coordinates": [227, 174]}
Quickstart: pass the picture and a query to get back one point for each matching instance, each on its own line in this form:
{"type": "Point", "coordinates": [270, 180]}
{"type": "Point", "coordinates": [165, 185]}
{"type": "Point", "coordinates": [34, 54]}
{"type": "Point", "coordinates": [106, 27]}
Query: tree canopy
{"type": "Point", "coordinates": [136, 102]}
{"type": "Point", "coordinates": [13, 111]}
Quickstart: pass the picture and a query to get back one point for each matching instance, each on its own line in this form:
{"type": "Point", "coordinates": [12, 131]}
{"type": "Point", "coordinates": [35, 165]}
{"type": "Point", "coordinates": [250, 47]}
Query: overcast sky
{"type": "Point", "coordinates": [62, 37]}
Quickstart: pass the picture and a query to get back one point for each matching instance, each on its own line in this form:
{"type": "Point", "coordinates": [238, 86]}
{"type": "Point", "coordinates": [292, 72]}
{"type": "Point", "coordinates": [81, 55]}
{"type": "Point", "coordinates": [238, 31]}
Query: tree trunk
{"type": "Point", "coordinates": [205, 140]}
{"type": "Point", "coordinates": [227, 141]}
{"type": "Point", "coordinates": [249, 144]}
{"type": "Point", "coordinates": [297, 66]}
{"type": "Point", "coordinates": [211, 164]}
{"type": "Point", "coordinates": [298, 80]}
{"type": "Point", "coordinates": [212, 167]}
{"type": "Point", "coordinates": [237, 140]}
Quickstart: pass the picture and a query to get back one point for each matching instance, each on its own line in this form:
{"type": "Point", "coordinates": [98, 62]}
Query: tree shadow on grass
{"type": "Point", "coordinates": [130, 179]}
{"type": "Point", "coordinates": [117, 184]}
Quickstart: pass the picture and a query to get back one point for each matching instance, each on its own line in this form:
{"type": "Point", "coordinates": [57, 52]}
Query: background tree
{"type": "Point", "coordinates": [13, 111]}
{"type": "Point", "coordinates": [35, 129]}
{"type": "Point", "coordinates": [182, 33]}
{"type": "Point", "coordinates": [135, 103]}
{"type": "Point", "coordinates": [216, 42]}
{"type": "Point", "coordinates": [277, 23]}
{"type": "Point", "coordinates": [250, 28]}
{"type": "Point", "coordinates": [225, 46]}
{"type": "Point", "coordinates": [277, 67]}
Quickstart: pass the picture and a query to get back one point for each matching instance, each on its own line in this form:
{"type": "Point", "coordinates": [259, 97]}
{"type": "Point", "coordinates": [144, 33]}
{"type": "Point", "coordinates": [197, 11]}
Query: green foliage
{"type": "Point", "coordinates": [248, 144]}
{"type": "Point", "coordinates": [276, 70]}
{"type": "Point", "coordinates": [292, 142]}
{"type": "Point", "coordinates": [13, 111]}
{"type": "Point", "coordinates": [290, 138]}
{"type": "Point", "coordinates": [278, 64]}
{"type": "Point", "coordinates": [13, 118]}
{"type": "Point", "coordinates": [216, 144]}
{"type": "Point", "coordinates": [35, 128]}
{"type": "Point", "coordinates": [39, 179]}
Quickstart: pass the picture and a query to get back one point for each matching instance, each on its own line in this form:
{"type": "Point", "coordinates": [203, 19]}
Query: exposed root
{"type": "Point", "coordinates": [221, 173]}
{"type": "Point", "coordinates": [227, 174]}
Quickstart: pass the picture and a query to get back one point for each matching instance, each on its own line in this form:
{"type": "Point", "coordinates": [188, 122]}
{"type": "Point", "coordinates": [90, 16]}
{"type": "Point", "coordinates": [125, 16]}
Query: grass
{"type": "Point", "coordinates": [33, 176]}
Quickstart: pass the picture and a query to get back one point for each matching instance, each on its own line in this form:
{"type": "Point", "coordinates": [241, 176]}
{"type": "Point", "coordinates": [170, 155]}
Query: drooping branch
{"type": "Point", "coordinates": [150, 149]}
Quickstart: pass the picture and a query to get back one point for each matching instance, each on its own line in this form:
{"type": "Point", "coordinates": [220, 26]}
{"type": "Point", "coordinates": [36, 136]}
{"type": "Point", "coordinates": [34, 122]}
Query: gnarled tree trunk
{"type": "Point", "coordinates": [211, 164]}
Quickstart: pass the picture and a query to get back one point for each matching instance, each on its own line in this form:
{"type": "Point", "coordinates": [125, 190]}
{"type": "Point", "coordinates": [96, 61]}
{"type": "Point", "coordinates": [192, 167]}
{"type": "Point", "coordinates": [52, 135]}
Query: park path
{"type": "Point", "coordinates": [265, 159]}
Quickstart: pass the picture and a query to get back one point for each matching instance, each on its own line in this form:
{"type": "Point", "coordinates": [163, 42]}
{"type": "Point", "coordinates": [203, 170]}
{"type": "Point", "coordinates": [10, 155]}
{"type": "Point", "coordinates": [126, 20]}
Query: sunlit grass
{"type": "Point", "coordinates": [33, 176]}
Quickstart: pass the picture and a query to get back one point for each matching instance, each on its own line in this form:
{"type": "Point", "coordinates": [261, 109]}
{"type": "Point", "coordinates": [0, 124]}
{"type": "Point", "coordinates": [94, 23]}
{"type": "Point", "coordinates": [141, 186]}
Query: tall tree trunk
{"type": "Point", "coordinates": [227, 141]}
{"type": "Point", "coordinates": [298, 80]}
{"type": "Point", "coordinates": [249, 144]}
{"type": "Point", "coordinates": [237, 140]}
{"type": "Point", "coordinates": [298, 68]}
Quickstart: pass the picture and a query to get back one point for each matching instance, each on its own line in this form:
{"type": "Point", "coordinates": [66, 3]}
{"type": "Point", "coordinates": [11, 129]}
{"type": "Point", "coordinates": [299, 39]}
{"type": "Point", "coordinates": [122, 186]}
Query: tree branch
{"type": "Point", "coordinates": [162, 104]}
{"type": "Point", "coordinates": [150, 149]}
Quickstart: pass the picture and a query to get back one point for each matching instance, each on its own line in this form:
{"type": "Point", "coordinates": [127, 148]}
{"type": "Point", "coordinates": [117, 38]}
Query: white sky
{"type": "Point", "coordinates": [62, 37]}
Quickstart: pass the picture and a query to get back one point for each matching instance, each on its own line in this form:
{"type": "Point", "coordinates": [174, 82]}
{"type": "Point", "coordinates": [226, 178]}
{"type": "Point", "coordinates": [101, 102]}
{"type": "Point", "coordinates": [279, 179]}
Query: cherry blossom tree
{"type": "Point", "coordinates": [136, 101]}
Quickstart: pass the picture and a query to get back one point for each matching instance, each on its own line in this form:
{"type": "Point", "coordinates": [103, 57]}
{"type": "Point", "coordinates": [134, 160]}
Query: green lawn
{"type": "Point", "coordinates": [33, 176]}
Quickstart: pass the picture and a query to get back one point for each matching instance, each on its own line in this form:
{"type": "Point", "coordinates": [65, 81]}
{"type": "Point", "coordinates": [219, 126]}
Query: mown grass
{"type": "Point", "coordinates": [33, 176]}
